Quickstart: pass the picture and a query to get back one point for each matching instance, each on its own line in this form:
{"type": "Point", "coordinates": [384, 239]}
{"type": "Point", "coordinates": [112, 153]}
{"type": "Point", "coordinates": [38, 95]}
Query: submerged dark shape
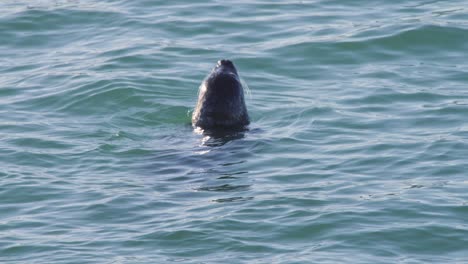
{"type": "Point", "coordinates": [221, 102]}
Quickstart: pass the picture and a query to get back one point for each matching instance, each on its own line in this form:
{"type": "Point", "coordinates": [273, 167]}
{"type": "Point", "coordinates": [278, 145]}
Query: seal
{"type": "Point", "coordinates": [221, 102]}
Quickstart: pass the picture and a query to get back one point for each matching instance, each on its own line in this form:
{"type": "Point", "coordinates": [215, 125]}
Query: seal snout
{"type": "Point", "coordinates": [226, 66]}
{"type": "Point", "coordinates": [225, 63]}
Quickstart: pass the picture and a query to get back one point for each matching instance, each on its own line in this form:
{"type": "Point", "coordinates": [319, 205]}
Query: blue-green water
{"type": "Point", "coordinates": [357, 150]}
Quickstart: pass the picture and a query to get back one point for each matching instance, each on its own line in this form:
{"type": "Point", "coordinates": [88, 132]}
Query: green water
{"type": "Point", "coordinates": [357, 150]}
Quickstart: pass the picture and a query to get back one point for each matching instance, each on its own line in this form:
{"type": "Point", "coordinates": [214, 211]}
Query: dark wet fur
{"type": "Point", "coordinates": [221, 103]}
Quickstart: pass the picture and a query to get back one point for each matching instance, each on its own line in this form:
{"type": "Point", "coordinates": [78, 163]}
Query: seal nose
{"type": "Point", "coordinates": [225, 62]}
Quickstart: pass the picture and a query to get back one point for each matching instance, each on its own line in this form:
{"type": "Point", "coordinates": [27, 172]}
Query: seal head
{"type": "Point", "coordinates": [221, 100]}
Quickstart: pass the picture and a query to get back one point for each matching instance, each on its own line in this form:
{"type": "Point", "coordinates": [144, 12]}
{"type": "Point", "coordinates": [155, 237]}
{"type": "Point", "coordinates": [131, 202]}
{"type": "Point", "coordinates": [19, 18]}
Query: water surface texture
{"type": "Point", "coordinates": [357, 150]}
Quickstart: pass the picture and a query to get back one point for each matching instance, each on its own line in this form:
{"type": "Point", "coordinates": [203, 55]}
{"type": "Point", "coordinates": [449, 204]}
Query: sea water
{"type": "Point", "coordinates": [356, 153]}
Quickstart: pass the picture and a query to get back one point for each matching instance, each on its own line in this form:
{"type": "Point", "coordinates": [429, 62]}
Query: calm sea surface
{"type": "Point", "coordinates": [357, 151]}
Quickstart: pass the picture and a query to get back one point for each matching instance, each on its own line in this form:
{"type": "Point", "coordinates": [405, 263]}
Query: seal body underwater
{"type": "Point", "coordinates": [221, 103]}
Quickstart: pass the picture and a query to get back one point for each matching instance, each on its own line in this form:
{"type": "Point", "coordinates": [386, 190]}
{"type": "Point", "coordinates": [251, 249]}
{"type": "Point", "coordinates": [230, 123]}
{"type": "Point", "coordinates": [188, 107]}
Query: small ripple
{"type": "Point", "coordinates": [395, 97]}
{"type": "Point", "coordinates": [41, 28]}
{"type": "Point", "coordinates": [233, 199]}
{"type": "Point", "coordinates": [424, 41]}
{"type": "Point", "coordinates": [224, 188]}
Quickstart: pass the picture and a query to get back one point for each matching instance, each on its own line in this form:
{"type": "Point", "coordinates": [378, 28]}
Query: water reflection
{"type": "Point", "coordinates": [233, 199]}
{"type": "Point", "coordinates": [219, 137]}
{"type": "Point", "coordinates": [224, 188]}
{"type": "Point", "coordinates": [225, 178]}
{"type": "Point", "coordinates": [231, 175]}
